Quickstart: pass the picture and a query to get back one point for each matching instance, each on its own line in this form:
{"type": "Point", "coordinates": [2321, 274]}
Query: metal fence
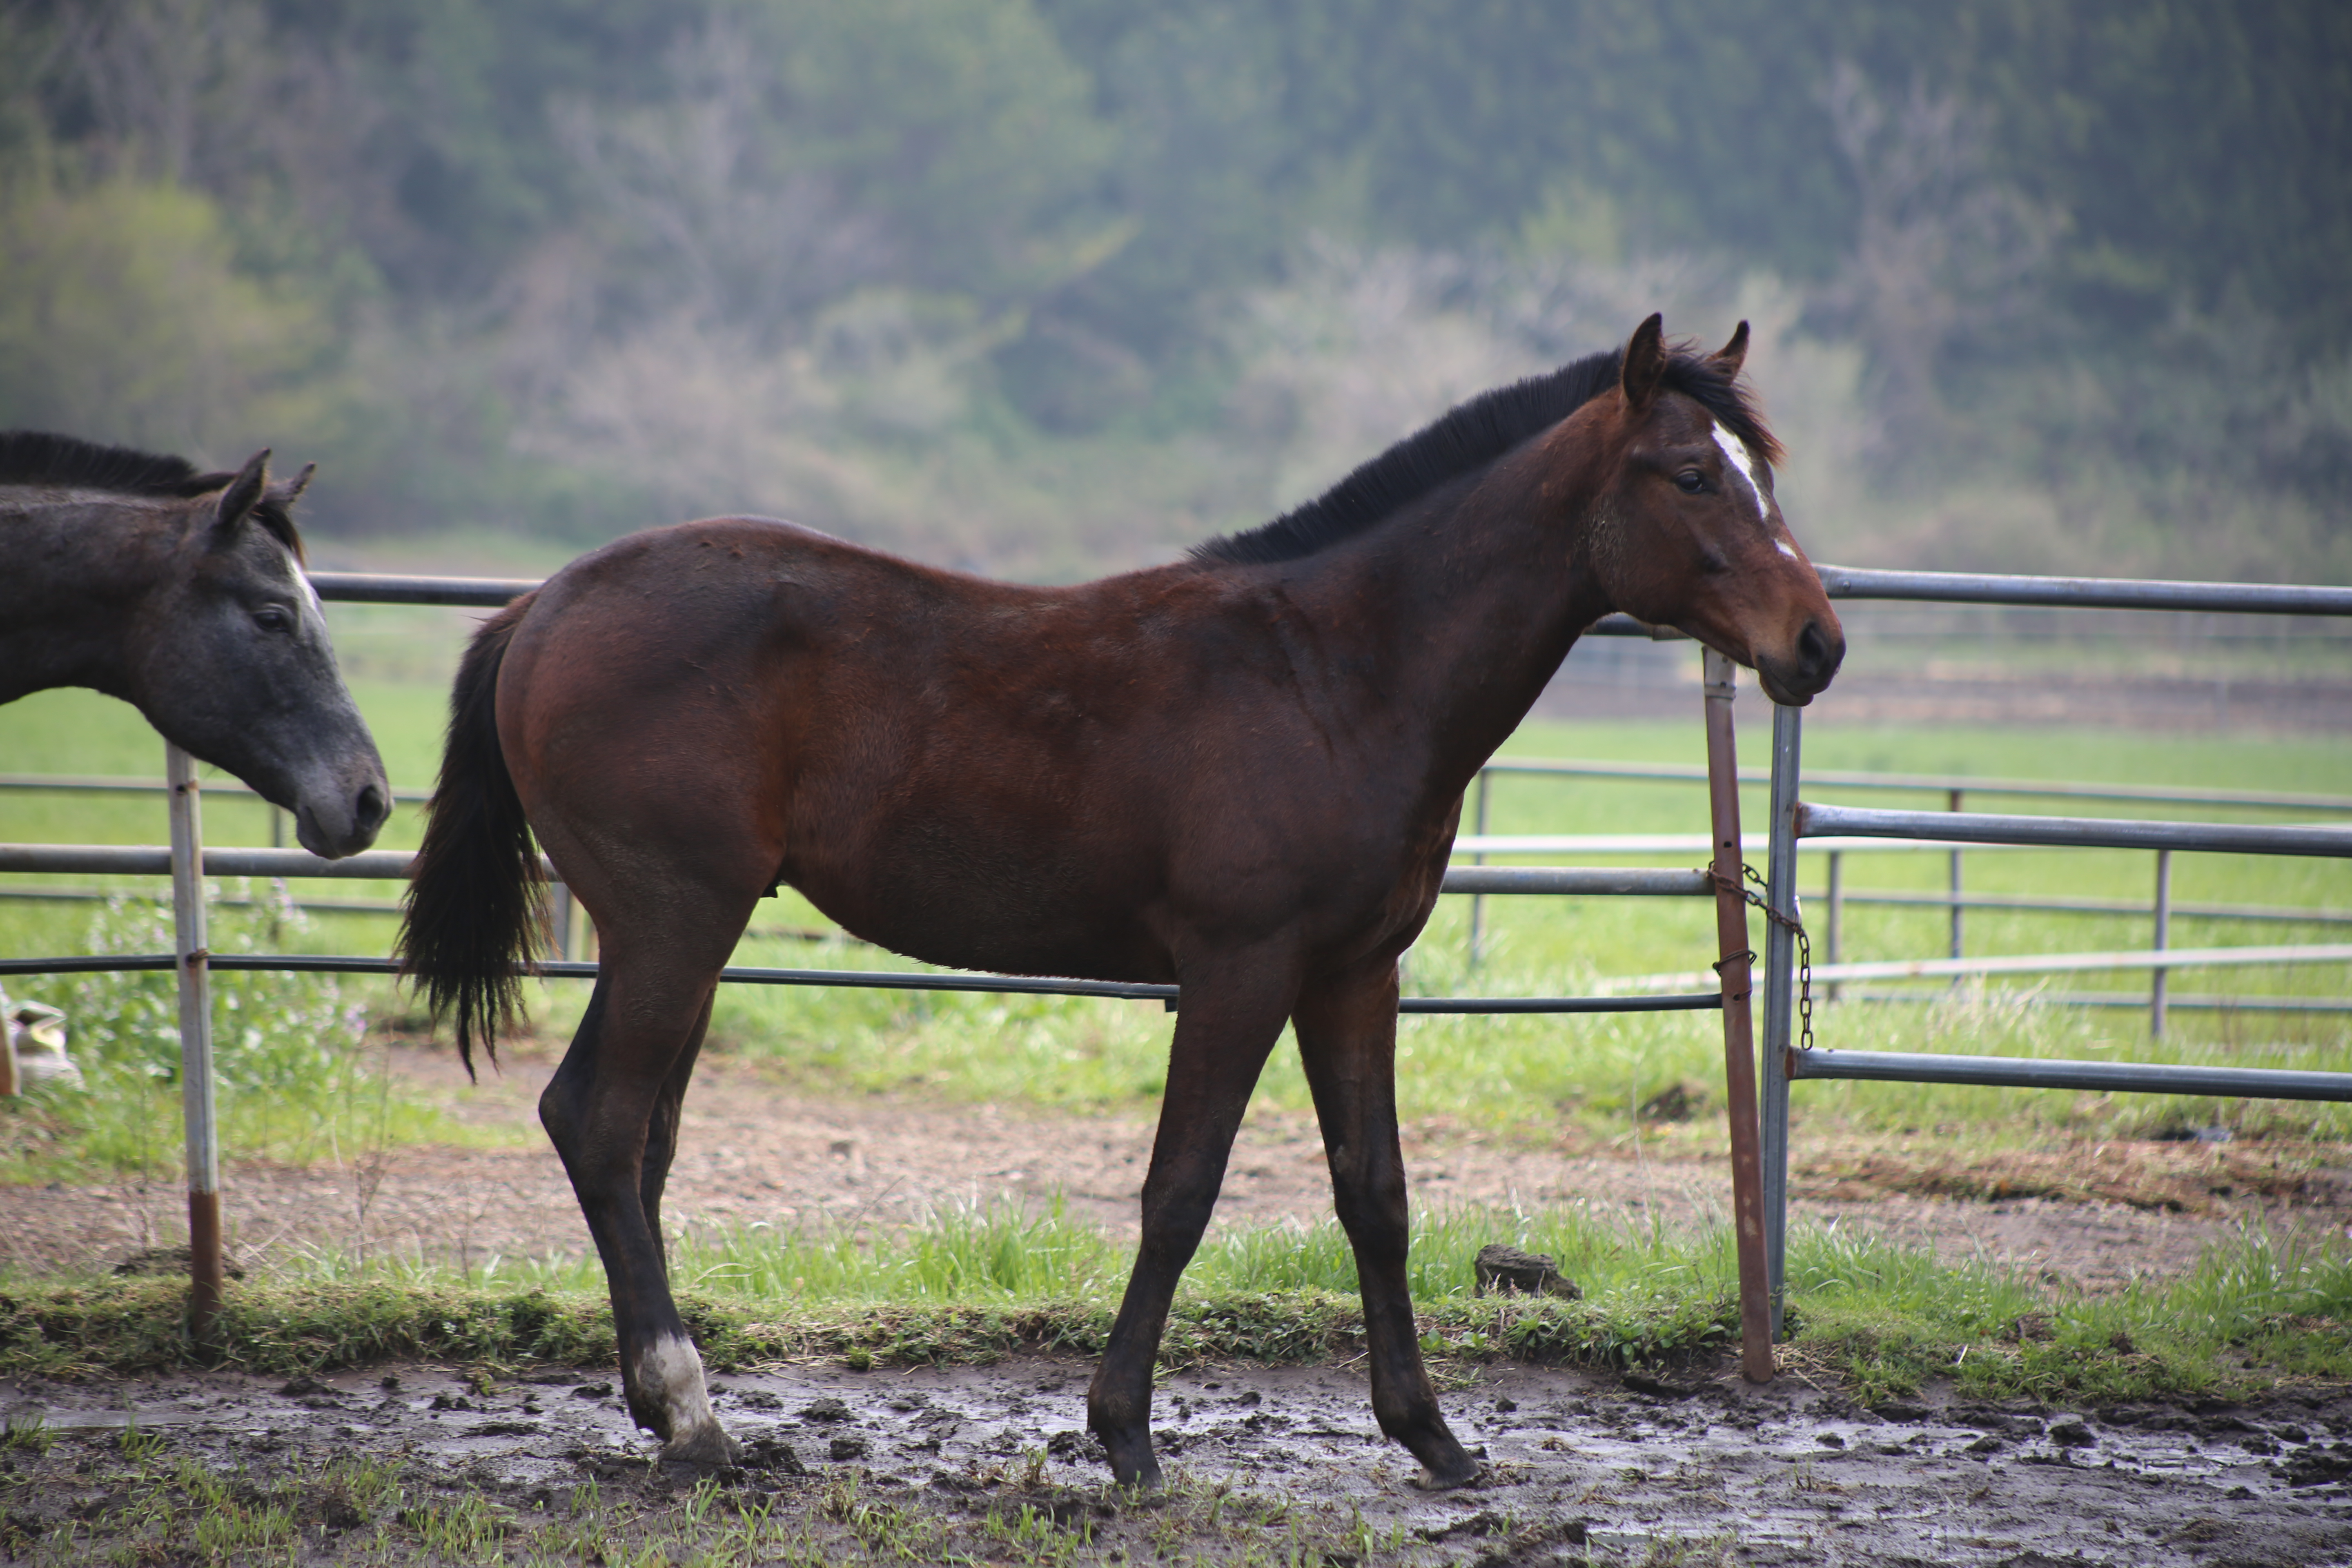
{"type": "Point", "coordinates": [188, 863]}
{"type": "Point", "coordinates": [1758, 1133]}
{"type": "Point", "coordinates": [1792, 819]}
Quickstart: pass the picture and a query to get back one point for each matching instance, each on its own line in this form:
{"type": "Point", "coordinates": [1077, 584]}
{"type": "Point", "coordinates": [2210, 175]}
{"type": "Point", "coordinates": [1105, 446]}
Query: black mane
{"type": "Point", "coordinates": [1469, 437]}
{"type": "Point", "coordinates": [64, 462]}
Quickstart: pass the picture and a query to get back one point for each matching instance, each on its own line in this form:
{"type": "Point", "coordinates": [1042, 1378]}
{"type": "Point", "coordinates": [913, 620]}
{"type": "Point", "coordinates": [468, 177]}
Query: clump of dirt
{"type": "Point", "coordinates": [424, 1464]}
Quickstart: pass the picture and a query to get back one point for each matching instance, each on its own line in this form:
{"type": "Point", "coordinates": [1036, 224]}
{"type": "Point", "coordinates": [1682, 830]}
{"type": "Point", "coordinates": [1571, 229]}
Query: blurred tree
{"type": "Point", "coordinates": [124, 318]}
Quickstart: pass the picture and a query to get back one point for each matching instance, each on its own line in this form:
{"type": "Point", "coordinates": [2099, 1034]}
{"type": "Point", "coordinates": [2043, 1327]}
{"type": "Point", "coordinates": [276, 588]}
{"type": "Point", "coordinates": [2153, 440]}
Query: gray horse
{"type": "Point", "coordinates": [182, 593]}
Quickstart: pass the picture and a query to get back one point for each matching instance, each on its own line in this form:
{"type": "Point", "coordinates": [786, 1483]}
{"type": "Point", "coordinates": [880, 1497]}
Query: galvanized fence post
{"type": "Point", "coordinates": [1957, 906]}
{"type": "Point", "coordinates": [196, 1099]}
{"type": "Point", "coordinates": [1736, 967]}
{"type": "Point", "coordinates": [1832, 935]}
{"type": "Point", "coordinates": [2163, 940]}
{"type": "Point", "coordinates": [1780, 997]}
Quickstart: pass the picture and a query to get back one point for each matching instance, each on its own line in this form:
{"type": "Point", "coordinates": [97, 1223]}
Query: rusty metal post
{"type": "Point", "coordinates": [1738, 1026]}
{"type": "Point", "coordinates": [196, 1104]}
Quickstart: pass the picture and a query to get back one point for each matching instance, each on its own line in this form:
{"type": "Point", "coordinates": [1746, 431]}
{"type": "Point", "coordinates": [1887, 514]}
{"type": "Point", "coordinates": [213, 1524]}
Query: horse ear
{"type": "Point", "coordinates": [244, 493]}
{"type": "Point", "coordinates": [1644, 365]}
{"type": "Point", "coordinates": [286, 492]}
{"type": "Point", "coordinates": [1733, 355]}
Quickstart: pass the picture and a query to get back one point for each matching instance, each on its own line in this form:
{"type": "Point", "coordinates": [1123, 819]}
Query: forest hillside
{"type": "Point", "coordinates": [1045, 288]}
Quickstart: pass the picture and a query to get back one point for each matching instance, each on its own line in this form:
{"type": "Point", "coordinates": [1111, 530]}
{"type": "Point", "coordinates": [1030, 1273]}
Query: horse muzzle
{"type": "Point", "coordinates": [344, 818]}
{"type": "Point", "coordinates": [1804, 670]}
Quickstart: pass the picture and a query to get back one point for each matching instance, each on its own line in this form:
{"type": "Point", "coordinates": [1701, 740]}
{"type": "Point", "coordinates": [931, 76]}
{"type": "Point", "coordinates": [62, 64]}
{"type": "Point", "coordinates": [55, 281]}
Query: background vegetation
{"type": "Point", "coordinates": [1048, 287]}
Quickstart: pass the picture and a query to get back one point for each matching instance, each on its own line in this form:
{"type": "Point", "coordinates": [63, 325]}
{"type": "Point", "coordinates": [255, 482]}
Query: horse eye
{"type": "Point", "coordinates": [1690, 481]}
{"type": "Point", "coordinates": [273, 618]}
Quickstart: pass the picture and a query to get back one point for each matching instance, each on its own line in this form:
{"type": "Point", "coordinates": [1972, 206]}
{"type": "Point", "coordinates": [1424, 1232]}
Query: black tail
{"type": "Point", "coordinates": [476, 906]}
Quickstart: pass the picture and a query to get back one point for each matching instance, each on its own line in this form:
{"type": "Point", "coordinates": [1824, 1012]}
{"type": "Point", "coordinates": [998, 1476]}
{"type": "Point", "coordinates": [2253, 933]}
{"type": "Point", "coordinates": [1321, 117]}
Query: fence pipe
{"type": "Point", "coordinates": [2059, 905]}
{"type": "Point", "coordinates": [1831, 936]}
{"type": "Point", "coordinates": [2030, 963]}
{"type": "Point", "coordinates": [2023, 1072]}
{"type": "Point", "coordinates": [2083, 593]}
{"type": "Point", "coordinates": [1957, 908]}
{"type": "Point", "coordinates": [2162, 941]}
{"type": "Point", "coordinates": [2136, 1001]}
{"type": "Point", "coordinates": [2071, 832]}
{"type": "Point", "coordinates": [1780, 999]}
{"type": "Point", "coordinates": [198, 1104]}
{"type": "Point", "coordinates": [393, 866]}
{"type": "Point", "coordinates": [1738, 1026]}
{"type": "Point", "coordinates": [87, 783]}
{"type": "Point", "coordinates": [1937, 783]}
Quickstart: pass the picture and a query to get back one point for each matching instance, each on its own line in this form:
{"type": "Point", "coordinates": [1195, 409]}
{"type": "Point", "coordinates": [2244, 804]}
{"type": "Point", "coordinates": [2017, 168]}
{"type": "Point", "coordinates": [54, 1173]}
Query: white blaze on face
{"type": "Point", "coordinates": [1736, 452]}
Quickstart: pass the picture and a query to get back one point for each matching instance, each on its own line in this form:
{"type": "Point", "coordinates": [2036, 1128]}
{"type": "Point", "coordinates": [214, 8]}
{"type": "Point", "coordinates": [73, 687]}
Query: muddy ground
{"type": "Point", "coordinates": [1266, 1464]}
{"type": "Point", "coordinates": [1275, 1465]}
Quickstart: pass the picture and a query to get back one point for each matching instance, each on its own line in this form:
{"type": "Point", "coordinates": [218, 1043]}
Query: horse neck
{"type": "Point", "coordinates": [80, 572]}
{"type": "Point", "coordinates": [1470, 600]}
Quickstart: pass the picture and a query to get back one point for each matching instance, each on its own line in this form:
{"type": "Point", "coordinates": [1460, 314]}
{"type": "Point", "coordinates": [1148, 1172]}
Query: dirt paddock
{"type": "Point", "coordinates": [1279, 1464]}
{"type": "Point", "coordinates": [993, 1464]}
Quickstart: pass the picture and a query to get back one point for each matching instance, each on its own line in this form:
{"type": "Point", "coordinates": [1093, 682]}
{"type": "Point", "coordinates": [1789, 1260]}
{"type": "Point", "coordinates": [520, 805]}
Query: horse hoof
{"type": "Point", "coordinates": [1468, 1472]}
{"type": "Point", "coordinates": [707, 1446]}
{"type": "Point", "coordinates": [1137, 1471]}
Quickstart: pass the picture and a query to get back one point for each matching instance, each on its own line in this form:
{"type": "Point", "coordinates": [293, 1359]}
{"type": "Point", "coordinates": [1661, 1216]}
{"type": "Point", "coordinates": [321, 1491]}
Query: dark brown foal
{"type": "Point", "coordinates": [1241, 773]}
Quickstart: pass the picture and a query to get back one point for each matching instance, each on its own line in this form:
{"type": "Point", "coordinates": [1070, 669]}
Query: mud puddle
{"type": "Point", "coordinates": [1266, 1464]}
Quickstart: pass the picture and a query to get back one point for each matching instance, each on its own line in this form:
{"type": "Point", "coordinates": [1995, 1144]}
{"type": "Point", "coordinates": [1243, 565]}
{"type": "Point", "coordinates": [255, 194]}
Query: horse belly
{"type": "Point", "coordinates": [1009, 917]}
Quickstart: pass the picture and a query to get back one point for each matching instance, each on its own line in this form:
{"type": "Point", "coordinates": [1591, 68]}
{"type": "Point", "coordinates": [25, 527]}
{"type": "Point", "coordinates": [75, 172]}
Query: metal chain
{"type": "Point", "coordinates": [1787, 924]}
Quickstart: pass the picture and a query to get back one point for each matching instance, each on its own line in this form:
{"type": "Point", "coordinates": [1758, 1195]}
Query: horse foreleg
{"type": "Point", "coordinates": [620, 1081]}
{"type": "Point", "coordinates": [1223, 1037]}
{"type": "Point", "coordinates": [1346, 1040]}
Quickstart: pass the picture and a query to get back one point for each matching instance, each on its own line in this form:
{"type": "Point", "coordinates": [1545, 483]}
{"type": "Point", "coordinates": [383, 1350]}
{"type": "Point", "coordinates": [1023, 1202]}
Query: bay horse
{"type": "Point", "coordinates": [1239, 773]}
{"type": "Point", "coordinates": [182, 592]}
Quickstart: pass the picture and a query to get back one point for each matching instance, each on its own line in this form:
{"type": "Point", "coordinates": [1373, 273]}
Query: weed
{"type": "Point", "coordinates": [236, 1526]}
{"type": "Point", "coordinates": [465, 1530]}
{"type": "Point", "coordinates": [137, 1446]}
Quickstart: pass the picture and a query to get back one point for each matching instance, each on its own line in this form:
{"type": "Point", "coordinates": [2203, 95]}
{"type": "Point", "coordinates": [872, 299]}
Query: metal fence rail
{"type": "Point", "coordinates": [2083, 593]}
{"type": "Point", "coordinates": [2022, 1072]}
{"type": "Point", "coordinates": [2071, 832]}
{"type": "Point", "coordinates": [1935, 783]}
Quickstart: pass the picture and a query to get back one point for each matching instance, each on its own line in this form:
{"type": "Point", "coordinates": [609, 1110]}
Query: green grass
{"type": "Point", "coordinates": [973, 1286]}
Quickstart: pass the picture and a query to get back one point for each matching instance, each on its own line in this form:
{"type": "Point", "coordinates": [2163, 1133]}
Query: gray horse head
{"type": "Point", "coordinates": [183, 594]}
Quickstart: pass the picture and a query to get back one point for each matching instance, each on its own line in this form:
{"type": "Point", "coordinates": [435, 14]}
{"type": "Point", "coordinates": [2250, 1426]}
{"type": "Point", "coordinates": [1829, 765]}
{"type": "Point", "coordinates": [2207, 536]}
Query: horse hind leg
{"type": "Point", "coordinates": [661, 1133]}
{"type": "Point", "coordinates": [1346, 1041]}
{"type": "Point", "coordinates": [611, 1110]}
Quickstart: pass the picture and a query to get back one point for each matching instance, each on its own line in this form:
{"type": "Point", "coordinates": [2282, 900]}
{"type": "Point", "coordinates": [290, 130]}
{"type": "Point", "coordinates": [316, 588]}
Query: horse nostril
{"type": "Point", "coordinates": [1817, 652]}
{"type": "Point", "coordinates": [372, 808]}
